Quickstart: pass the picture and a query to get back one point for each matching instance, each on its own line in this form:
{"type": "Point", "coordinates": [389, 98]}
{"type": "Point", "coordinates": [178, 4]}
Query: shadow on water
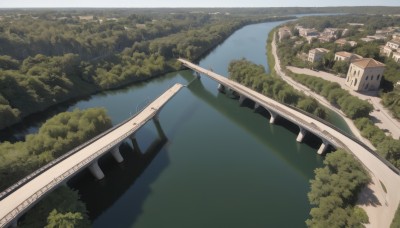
{"type": "Point", "coordinates": [219, 103]}
{"type": "Point", "coordinates": [116, 187]}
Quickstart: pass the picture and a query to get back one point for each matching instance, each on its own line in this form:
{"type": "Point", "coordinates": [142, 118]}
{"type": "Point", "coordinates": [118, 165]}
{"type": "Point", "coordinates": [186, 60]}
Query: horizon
{"type": "Point", "coordinates": [22, 4]}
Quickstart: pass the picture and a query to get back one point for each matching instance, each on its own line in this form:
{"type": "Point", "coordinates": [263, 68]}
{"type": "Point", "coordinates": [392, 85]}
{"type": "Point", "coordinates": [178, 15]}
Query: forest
{"type": "Point", "coordinates": [50, 57]}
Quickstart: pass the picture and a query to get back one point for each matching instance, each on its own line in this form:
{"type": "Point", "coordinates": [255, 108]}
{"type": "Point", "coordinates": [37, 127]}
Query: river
{"type": "Point", "coordinates": [222, 165]}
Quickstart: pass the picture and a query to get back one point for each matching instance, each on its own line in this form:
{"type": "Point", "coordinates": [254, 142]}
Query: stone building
{"type": "Point", "coordinates": [365, 75]}
{"type": "Point", "coordinates": [316, 54]}
{"type": "Point", "coordinates": [346, 56]}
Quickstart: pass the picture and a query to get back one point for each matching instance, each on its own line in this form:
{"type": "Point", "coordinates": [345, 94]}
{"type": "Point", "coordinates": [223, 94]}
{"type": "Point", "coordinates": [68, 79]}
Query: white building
{"type": "Point", "coordinates": [396, 57]}
{"type": "Point", "coordinates": [316, 54]}
{"type": "Point", "coordinates": [394, 44]}
{"type": "Point", "coordinates": [346, 56]}
{"type": "Point", "coordinates": [284, 33]}
{"type": "Point", "coordinates": [365, 75]}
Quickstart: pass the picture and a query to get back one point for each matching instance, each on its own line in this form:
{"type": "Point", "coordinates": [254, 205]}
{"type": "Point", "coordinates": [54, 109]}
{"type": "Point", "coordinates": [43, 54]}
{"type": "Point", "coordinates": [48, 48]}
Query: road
{"type": "Point", "coordinates": [376, 211]}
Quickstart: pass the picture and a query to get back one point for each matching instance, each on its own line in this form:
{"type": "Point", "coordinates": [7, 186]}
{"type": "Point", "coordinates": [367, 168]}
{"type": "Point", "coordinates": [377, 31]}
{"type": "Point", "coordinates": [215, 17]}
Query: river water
{"type": "Point", "coordinates": [221, 165]}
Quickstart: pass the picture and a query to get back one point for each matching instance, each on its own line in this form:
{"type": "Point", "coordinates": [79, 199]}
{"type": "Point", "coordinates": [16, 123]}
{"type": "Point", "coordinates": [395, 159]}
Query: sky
{"type": "Point", "coordinates": [191, 3]}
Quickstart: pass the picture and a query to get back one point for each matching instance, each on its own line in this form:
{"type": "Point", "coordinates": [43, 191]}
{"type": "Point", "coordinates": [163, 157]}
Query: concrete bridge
{"type": "Point", "coordinates": [17, 199]}
{"type": "Point", "coordinates": [383, 173]}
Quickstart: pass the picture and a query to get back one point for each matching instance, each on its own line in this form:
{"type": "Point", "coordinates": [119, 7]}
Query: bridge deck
{"type": "Point", "coordinates": [383, 213]}
{"type": "Point", "coordinates": [22, 198]}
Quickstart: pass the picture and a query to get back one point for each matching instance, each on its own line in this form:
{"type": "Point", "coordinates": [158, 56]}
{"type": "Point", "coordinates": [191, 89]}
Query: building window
{"type": "Point", "coordinates": [355, 82]}
{"type": "Point", "coordinates": [377, 78]}
{"type": "Point", "coordinates": [372, 77]}
{"type": "Point", "coordinates": [366, 78]}
{"type": "Point", "coordinates": [354, 73]}
{"type": "Point", "coordinates": [366, 86]}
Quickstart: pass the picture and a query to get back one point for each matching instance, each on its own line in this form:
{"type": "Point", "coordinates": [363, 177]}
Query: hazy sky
{"type": "Point", "coordinates": [192, 3]}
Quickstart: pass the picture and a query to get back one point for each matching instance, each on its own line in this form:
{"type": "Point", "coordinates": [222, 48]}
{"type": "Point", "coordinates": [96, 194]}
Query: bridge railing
{"type": "Point", "coordinates": [56, 181]}
{"type": "Point", "coordinates": [42, 169]}
{"type": "Point", "coordinates": [336, 141]}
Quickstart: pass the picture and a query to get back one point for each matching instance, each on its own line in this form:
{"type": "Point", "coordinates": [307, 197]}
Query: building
{"type": "Point", "coordinates": [386, 50]}
{"type": "Point", "coordinates": [365, 75]}
{"type": "Point", "coordinates": [394, 44]}
{"type": "Point", "coordinates": [304, 32]}
{"type": "Point", "coordinates": [316, 54]}
{"type": "Point", "coordinates": [346, 56]}
{"type": "Point", "coordinates": [367, 39]}
{"type": "Point", "coordinates": [342, 42]}
{"type": "Point", "coordinates": [396, 57]}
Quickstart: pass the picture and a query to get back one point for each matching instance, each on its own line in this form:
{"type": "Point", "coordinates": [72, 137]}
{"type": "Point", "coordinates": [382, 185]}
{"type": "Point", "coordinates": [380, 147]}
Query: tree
{"type": "Point", "coordinates": [59, 220]}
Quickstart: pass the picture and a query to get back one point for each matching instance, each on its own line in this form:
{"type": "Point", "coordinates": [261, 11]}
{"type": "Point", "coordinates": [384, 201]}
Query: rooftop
{"type": "Point", "coordinates": [368, 63]}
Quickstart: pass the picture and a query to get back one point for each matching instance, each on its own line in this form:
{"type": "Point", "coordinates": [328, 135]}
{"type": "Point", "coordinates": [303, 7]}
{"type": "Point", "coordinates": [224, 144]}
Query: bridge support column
{"type": "Point", "coordinates": [160, 131]}
{"type": "Point", "coordinates": [323, 147]}
{"type": "Point", "coordinates": [273, 117]}
{"type": "Point", "coordinates": [135, 144]}
{"type": "Point", "coordinates": [116, 154]}
{"type": "Point", "coordinates": [96, 170]}
{"type": "Point", "coordinates": [197, 74]}
{"type": "Point", "coordinates": [241, 99]}
{"type": "Point", "coordinates": [301, 134]}
{"type": "Point", "coordinates": [256, 106]}
{"type": "Point", "coordinates": [221, 88]}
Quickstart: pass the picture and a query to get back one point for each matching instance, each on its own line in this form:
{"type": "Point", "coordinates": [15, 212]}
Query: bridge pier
{"type": "Point", "coordinates": [273, 117]}
{"type": "Point", "coordinates": [160, 131]}
{"type": "Point", "coordinates": [221, 88]}
{"type": "Point", "coordinates": [301, 135]}
{"type": "Point", "coordinates": [96, 170]}
{"type": "Point", "coordinates": [256, 106]}
{"type": "Point", "coordinates": [197, 74]}
{"type": "Point", "coordinates": [241, 99]}
{"type": "Point", "coordinates": [323, 147]}
{"type": "Point", "coordinates": [135, 144]}
{"type": "Point", "coordinates": [116, 154]}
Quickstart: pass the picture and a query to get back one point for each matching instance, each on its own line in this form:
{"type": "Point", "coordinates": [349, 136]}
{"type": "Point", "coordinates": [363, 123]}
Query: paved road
{"type": "Point", "coordinates": [383, 117]}
{"type": "Point", "coordinates": [20, 200]}
{"type": "Point", "coordinates": [379, 205]}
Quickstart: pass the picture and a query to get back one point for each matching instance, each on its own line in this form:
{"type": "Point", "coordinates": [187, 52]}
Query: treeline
{"type": "Point", "coordinates": [334, 192]}
{"type": "Point", "coordinates": [55, 137]}
{"type": "Point", "coordinates": [39, 81]}
{"type": "Point", "coordinates": [60, 208]}
{"type": "Point", "coordinates": [255, 77]}
{"type": "Point", "coordinates": [352, 106]}
{"type": "Point", "coordinates": [371, 22]}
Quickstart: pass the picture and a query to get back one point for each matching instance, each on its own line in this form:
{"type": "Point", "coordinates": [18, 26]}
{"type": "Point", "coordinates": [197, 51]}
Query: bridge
{"type": "Point", "coordinates": [385, 177]}
{"type": "Point", "coordinates": [17, 199]}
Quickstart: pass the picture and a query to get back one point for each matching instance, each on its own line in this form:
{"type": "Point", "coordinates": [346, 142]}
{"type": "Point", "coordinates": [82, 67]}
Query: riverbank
{"type": "Point", "coordinates": [381, 114]}
{"type": "Point", "coordinates": [308, 92]}
{"type": "Point", "coordinates": [381, 211]}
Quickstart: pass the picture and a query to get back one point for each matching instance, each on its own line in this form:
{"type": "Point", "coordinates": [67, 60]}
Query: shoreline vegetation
{"type": "Point", "coordinates": [387, 146]}
{"type": "Point", "coordinates": [89, 57]}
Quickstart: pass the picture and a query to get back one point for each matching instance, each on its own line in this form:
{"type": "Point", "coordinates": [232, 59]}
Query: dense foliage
{"type": "Point", "coordinates": [334, 192]}
{"type": "Point", "coordinates": [352, 106]}
{"type": "Point", "coordinates": [57, 136]}
{"type": "Point", "coordinates": [60, 208]}
{"type": "Point", "coordinates": [255, 77]}
{"type": "Point", "coordinates": [50, 57]}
